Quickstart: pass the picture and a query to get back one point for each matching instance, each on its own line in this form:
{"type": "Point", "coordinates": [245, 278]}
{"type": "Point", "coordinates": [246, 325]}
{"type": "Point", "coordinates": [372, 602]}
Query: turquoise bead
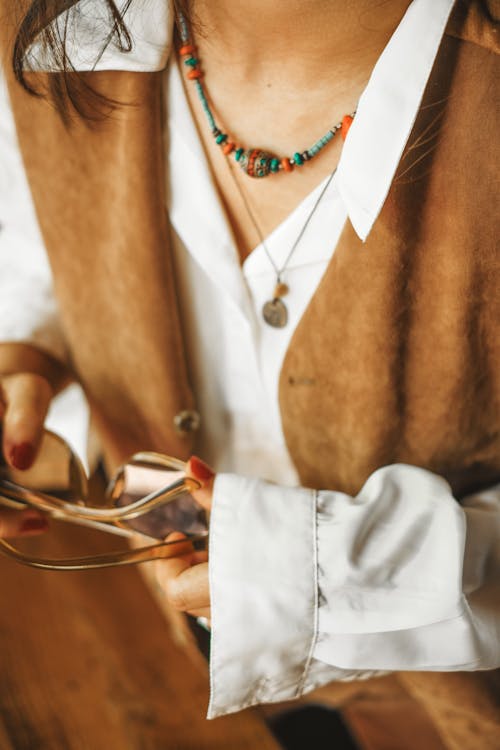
{"type": "Point", "coordinates": [298, 159]}
{"type": "Point", "coordinates": [192, 62]}
{"type": "Point", "coordinates": [221, 138]}
{"type": "Point", "coordinates": [275, 165]}
{"type": "Point", "coordinates": [238, 154]}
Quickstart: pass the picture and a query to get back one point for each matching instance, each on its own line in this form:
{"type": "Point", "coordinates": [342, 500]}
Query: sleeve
{"type": "Point", "coordinates": [28, 311]}
{"type": "Point", "coordinates": [310, 587]}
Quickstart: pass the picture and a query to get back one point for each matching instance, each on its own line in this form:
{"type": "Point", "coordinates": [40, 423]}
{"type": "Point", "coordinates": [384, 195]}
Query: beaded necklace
{"type": "Point", "coordinates": [253, 161]}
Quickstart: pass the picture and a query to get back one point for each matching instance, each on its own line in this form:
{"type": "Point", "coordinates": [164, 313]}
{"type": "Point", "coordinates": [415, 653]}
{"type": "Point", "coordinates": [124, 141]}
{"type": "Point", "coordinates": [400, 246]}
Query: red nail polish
{"type": "Point", "coordinates": [22, 455]}
{"type": "Point", "coordinates": [34, 524]}
{"type": "Point", "coordinates": [200, 470]}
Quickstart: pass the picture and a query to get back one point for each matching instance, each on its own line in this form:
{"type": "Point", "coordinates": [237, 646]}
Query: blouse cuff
{"type": "Point", "coordinates": [262, 558]}
{"type": "Point", "coordinates": [307, 587]}
{"type": "Point", "coordinates": [394, 564]}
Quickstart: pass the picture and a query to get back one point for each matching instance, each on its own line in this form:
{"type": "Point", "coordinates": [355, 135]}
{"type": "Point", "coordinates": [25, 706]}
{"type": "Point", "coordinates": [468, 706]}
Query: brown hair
{"type": "Point", "coordinates": [69, 89]}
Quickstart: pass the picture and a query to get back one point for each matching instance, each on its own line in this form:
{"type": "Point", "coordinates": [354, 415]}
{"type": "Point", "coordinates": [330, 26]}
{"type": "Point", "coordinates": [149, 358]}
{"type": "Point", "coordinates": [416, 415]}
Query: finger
{"type": "Point", "coordinates": [189, 592]}
{"type": "Point", "coordinates": [201, 556]}
{"type": "Point", "coordinates": [173, 566]}
{"type": "Point", "coordinates": [26, 398]}
{"type": "Point", "coordinates": [184, 551]}
{"type": "Point", "coordinates": [167, 571]}
{"type": "Point", "coordinates": [186, 588]}
{"type": "Point", "coordinates": [21, 523]}
{"type": "Point", "coordinates": [199, 470]}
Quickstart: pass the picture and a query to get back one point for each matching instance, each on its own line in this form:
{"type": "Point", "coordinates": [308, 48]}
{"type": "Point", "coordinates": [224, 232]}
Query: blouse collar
{"type": "Point", "coordinates": [387, 110]}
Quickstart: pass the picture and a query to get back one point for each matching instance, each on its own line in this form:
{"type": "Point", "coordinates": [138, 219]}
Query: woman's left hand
{"type": "Point", "coordinates": [184, 579]}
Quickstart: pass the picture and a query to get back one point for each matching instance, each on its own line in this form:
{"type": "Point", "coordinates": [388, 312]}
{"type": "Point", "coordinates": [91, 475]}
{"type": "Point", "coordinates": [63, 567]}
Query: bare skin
{"type": "Point", "coordinates": [279, 75]}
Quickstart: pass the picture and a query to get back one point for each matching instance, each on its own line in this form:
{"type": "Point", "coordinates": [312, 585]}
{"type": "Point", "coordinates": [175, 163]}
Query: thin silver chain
{"type": "Point", "coordinates": [279, 271]}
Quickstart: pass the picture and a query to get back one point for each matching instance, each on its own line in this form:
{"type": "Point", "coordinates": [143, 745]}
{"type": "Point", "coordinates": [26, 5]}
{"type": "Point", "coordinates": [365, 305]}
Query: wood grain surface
{"type": "Point", "coordinates": [87, 662]}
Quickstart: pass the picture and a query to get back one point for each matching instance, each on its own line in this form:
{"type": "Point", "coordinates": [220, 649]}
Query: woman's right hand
{"type": "Point", "coordinates": [29, 379]}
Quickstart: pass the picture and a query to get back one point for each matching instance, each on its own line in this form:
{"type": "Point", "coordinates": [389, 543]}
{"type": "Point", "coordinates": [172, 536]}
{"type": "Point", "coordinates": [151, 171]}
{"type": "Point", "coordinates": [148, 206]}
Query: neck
{"type": "Point", "coordinates": [297, 37]}
{"type": "Point", "coordinates": [279, 75]}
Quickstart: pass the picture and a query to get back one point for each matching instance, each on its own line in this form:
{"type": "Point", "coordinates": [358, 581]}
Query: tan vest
{"type": "Point", "coordinates": [397, 357]}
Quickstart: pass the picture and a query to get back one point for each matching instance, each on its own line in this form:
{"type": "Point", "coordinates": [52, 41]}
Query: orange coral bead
{"type": "Point", "coordinates": [280, 290]}
{"type": "Point", "coordinates": [228, 147]}
{"type": "Point", "coordinates": [187, 49]}
{"type": "Point", "coordinates": [195, 73]}
{"type": "Point", "coordinates": [346, 124]}
{"type": "Point", "coordinates": [285, 163]}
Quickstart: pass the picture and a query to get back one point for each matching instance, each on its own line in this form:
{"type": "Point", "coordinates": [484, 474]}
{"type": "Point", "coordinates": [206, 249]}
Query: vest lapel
{"type": "Point", "coordinates": [99, 195]}
{"type": "Point", "coordinates": [397, 358]}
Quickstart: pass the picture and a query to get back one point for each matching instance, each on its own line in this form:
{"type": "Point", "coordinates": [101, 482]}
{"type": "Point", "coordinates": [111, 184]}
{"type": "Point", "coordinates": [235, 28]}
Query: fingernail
{"type": "Point", "coordinates": [200, 469]}
{"type": "Point", "coordinates": [22, 455]}
{"type": "Point", "coordinates": [35, 524]}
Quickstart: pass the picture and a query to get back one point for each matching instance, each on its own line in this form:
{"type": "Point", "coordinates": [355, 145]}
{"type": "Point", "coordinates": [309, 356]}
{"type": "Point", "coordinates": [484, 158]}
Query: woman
{"type": "Point", "coordinates": [339, 334]}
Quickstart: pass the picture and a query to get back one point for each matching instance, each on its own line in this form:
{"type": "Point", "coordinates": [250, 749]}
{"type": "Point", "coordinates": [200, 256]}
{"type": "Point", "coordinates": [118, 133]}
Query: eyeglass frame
{"type": "Point", "coordinates": [16, 496]}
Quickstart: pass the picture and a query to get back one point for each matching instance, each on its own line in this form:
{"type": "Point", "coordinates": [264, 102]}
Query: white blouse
{"type": "Point", "coordinates": [306, 587]}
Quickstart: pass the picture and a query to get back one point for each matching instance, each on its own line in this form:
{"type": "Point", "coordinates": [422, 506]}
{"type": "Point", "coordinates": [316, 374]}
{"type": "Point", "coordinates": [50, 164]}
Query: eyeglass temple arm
{"type": "Point", "coordinates": [162, 550]}
{"type": "Point", "coordinates": [108, 527]}
{"type": "Point", "coordinates": [49, 503]}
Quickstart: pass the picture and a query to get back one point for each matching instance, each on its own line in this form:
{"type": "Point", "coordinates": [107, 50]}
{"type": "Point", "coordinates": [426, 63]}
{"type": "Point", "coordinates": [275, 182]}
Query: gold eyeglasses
{"type": "Point", "coordinates": [147, 499]}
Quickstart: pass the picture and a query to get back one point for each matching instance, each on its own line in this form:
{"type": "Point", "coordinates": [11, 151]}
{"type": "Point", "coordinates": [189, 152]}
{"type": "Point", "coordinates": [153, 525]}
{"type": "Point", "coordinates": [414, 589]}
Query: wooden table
{"type": "Point", "coordinates": [88, 663]}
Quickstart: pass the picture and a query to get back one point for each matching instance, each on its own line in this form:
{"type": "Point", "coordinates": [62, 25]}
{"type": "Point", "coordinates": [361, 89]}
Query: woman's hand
{"type": "Point", "coordinates": [184, 579]}
{"type": "Point", "coordinates": [29, 379]}
{"type": "Point", "coordinates": [15, 523]}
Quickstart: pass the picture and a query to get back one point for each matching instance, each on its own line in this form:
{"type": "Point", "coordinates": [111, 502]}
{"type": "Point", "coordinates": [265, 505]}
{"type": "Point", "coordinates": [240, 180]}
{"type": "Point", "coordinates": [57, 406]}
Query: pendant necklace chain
{"type": "Point", "coordinates": [256, 162]}
{"type": "Point", "coordinates": [274, 311]}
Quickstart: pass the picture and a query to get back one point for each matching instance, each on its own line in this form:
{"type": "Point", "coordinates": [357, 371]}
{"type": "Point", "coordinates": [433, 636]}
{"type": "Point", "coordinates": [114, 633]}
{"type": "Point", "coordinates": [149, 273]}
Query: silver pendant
{"type": "Point", "coordinates": [275, 313]}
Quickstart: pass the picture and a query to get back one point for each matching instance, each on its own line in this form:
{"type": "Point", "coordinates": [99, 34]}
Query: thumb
{"type": "Point", "coordinates": [198, 469]}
